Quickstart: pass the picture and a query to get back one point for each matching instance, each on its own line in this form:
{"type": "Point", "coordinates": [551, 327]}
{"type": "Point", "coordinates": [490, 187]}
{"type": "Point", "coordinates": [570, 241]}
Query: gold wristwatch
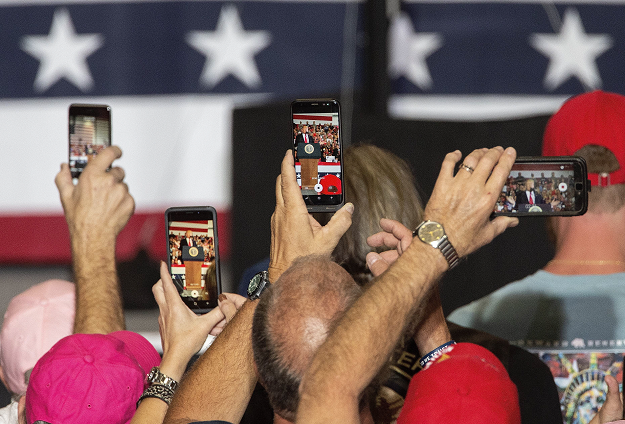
{"type": "Point", "coordinates": [433, 233]}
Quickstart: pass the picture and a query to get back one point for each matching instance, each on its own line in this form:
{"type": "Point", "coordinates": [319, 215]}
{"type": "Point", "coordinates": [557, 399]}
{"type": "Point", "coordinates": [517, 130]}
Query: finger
{"type": "Point", "coordinates": [376, 264]}
{"type": "Point", "coordinates": [399, 230]}
{"type": "Point", "coordinates": [473, 158]}
{"type": "Point", "coordinates": [502, 223]}
{"type": "Point", "coordinates": [159, 294]}
{"type": "Point", "coordinates": [227, 307]}
{"type": "Point", "coordinates": [449, 165]}
{"type": "Point", "coordinates": [63, 181]}
{"type": "Point", "coordinates": [612, 408]}
{"type": "Point", "coordinates": [169, 290]}
{"type": "Point", "coordinates": [118, 173]}
{"type": "Point", "coordinates": [279, 198]}
{"type": "Point", "coordinates": [501, 171]}
{"type": "Point", "coordinates": [338, 225]}
{"type": "Point", "coordinates": [389, 256]}
{"type": "Point", "coordinates": [487, 162]}
{"type": "Point", "coordinates": [104, 159]}
{"type": "Point", "coordinates": [291, 192]}
{"type": "Point", "coordinates": [212, 318]}
{"type": "Point", "coordinates": [383, 239]}
{"type": "Point", "coordinates": [237, 299]}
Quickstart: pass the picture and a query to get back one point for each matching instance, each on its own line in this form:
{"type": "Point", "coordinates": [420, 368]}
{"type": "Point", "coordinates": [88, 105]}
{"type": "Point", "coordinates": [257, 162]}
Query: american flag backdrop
{"type": "Point", "coordinates": [173, 71]}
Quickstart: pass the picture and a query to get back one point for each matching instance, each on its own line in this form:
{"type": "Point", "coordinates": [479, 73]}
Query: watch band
{"type": "Point", "coordinates": [449, 252]}
{"type": "Point", "coordinates": [156, 377]}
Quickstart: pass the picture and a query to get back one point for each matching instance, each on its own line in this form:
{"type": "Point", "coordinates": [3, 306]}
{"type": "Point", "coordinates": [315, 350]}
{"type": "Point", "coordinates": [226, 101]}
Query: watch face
{"type": "Point", "coordinates": [254, 283]}
{"type": "Point", "coordinates": [431, 231]}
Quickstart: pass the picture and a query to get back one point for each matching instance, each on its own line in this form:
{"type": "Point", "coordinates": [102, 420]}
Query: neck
{"type": "Point", "coordinates": [588, 244]}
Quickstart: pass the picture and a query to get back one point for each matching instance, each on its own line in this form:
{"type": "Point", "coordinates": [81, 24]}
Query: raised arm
{"type": "Point", "coordinates": [364, 338]}
{"type": "Point", "coordinates": [96, 210]}
{"type": "Point", "coordinates": [221, 382]}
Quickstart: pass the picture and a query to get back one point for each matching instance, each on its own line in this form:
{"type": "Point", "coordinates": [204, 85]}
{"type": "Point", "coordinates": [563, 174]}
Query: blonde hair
{"type": "Point", "coordinates": [380, 185]}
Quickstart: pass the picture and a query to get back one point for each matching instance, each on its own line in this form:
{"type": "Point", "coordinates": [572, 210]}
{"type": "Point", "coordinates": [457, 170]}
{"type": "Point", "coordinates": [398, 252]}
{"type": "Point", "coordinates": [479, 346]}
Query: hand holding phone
{"type": "Point", "coordinates": [193, 255]}
{"type": "Point", "coordinates": [318, 149]}
{"type": "Point", "coordinates": [545, 186]}
{"type": "Point", "coordinates": [89, 134]}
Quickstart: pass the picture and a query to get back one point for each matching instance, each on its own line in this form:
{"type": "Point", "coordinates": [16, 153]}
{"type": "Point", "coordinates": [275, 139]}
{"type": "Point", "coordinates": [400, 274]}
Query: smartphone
{"type": "Point", "coordinates": [545, 186]}
{"type": "Point", "coordinates": [89, 134]}
{"type": "Point", "coordinates": [318, 150]}
{"type": "Point", "coordinates": [193, 252]}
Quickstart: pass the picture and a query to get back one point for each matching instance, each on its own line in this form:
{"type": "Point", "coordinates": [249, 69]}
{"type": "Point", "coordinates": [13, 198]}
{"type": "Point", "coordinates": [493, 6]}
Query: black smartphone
{"type": "Point", "coordinates": [318, 153]}
{"type": "Point", "coordinates": [545, 186]}
{"type": "Point", "coordinates": [193, 252]}
{"type": "Point", "coordinates": [89, 134]}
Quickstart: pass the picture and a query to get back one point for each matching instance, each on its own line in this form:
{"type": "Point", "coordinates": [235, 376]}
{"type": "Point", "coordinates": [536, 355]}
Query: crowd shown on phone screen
{"type": "Point", "coordinates": [349, 327]}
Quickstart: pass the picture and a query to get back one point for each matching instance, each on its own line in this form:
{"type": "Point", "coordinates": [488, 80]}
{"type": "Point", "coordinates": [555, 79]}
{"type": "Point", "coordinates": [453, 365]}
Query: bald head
{"type": "Point", "coordinates": [292, 319]}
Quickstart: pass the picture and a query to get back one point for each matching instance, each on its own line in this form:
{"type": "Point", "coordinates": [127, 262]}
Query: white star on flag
{"type": "Point", "coordinates": [229, 50]}
{"type": "Point", "coordinates": [572, 52]}
{"type": "Point", "coordinates": [62, 53]}
{"type": "Point", "coordinates": [408, 51]}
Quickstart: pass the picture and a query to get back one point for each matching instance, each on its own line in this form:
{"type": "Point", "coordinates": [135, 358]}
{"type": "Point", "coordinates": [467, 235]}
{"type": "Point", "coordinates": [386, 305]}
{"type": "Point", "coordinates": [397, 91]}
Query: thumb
{"type": "Point", "coordinates": [227, 307]}
{"type": "Point", "coordinates": [338, 225]}
{"type": "Point", "coordinates": [376, 263]}
{"type": "Point", "coordinates": [612, 409]}
{"type": "Point", "coordinates": [63, 181]}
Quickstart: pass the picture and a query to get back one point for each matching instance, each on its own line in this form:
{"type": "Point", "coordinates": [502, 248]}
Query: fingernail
{"type": "Point", "coordinates": [371, 259]}
{"type": "Point", "coordinates": [287, 152]}
{"type": "Point", "coordinates": [222, 297]}
{"type": "Point", "coordinates": [349, 207]}
{"type": "Point", "coordinates": [510, 151]}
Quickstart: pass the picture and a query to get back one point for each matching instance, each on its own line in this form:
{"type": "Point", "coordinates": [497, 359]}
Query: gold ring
{"type": "Point", "coordinates": [466, 168]}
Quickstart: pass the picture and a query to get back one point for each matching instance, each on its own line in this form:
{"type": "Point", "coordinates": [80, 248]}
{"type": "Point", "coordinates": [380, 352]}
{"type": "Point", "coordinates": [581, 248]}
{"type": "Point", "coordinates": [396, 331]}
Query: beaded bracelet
{"type": "Point", "coordinates": [435, 353]}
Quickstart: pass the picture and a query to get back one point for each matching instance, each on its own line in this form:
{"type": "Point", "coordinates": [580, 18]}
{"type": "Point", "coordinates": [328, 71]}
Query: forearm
{"type": "Point", "coordinates": [99, 307]}
{"type": "Point", "coordinates": [221, 382]}
{"type": "Point", "coordinates": [367, 334]}
{"type": "Point", "coordinates": [153, 410]}
{"type": "Point", "coordinates": [432, 331]}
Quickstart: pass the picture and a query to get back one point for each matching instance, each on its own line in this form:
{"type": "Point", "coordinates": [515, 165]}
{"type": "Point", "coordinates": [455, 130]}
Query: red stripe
{"type": "Point", "coordinates": [313, 117]}
{"type": "Point", "coordinates": [36, 239]}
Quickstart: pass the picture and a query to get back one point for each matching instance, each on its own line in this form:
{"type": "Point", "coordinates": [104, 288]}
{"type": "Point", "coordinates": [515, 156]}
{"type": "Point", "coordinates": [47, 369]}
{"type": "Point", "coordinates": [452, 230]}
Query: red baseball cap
{"type": "Point", "coordinates": [465, 384]}
{"type": "Point", "coordinates": [90, 378]}
{"type": "Point", "coordinates": [331, 184]}
{"type": "Point", "coordinates": [590, 118]}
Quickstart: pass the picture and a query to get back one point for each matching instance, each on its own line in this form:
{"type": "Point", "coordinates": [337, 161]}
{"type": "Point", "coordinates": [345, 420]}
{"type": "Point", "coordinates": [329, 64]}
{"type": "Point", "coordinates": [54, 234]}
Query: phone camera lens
{"type": "Point", "coordinates": [579, 186]}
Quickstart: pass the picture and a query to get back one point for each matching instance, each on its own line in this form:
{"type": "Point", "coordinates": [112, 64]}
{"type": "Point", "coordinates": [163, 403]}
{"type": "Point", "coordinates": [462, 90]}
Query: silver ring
{"type": "Point", "coordinates": [467, 168]}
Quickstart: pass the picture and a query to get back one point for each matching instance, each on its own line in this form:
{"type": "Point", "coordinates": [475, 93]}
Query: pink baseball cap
{"type": "Point", "coordinates": [34, 321]}
{"type": "Point", "coordinates": [88, 378]}
{"type": "Point", "coordinates": [466, 384]}
{"type": "Point", "coordinates": [590, 118]}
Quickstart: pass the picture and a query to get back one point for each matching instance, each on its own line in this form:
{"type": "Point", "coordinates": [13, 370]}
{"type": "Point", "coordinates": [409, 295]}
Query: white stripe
{"type": "Point", "coordinates": [472, 108]}
{"type": "Point", "coordinates": [162, 137]}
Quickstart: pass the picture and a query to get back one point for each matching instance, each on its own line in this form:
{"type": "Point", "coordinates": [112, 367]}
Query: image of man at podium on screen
{"type": "Point", "coordinates": [308, 155]}
{"type": "Point", "coordinates": [192, 258]}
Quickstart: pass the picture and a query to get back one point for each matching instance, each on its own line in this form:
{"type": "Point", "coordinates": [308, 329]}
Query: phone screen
{"type": "Point", "coordinates": [89, 134]}
{"type": "Point", "coordinates": [318, 152]}
{"type": "Point", "coordinates": [194, 255]}
{"type": "Point", "coordinates": [545, 186]}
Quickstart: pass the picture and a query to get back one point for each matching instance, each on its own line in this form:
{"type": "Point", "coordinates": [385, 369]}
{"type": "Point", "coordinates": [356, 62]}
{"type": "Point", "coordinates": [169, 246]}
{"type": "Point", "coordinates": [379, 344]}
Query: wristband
{"type": "Point", "coordinates": [435, 353]}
